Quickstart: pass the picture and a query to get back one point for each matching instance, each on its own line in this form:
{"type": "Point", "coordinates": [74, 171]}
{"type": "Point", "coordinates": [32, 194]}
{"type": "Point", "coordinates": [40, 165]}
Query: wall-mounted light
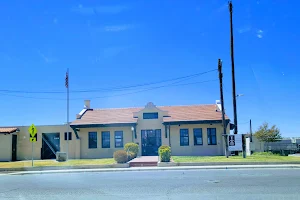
{"type": "Point", "coordinates": [134, 132]}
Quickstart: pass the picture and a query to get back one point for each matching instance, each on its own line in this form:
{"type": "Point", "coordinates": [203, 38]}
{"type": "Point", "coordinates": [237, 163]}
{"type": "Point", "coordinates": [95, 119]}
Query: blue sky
{"type": "Point", "coordinates": [109, 44]}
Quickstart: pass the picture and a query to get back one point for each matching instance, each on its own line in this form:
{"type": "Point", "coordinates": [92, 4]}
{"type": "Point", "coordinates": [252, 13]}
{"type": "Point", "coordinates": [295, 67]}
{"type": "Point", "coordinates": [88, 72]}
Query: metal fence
{"type": "Point", "coordinates": [282, 147]}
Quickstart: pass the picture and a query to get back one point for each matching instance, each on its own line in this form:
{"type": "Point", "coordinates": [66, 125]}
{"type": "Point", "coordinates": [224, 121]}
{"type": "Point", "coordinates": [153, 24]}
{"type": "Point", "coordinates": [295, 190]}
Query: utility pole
{"type": "Point", "coordinates": [222, 106]}
{"type": "Point", "coordinates": [233, 74]}
{"type": "Point", "coordinates": [233, 83]}
{"type": "Point", "coordinates": [67, 86]}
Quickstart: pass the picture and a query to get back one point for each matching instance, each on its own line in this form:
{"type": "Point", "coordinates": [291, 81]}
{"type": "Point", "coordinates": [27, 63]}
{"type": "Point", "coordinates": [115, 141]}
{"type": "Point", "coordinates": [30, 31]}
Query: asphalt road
{"type": "Point", "coordinates": [192, 184]}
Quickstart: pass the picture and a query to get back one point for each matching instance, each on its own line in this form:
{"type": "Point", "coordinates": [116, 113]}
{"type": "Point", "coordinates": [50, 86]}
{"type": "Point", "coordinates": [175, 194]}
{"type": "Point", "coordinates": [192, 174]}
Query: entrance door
{"type": "Point", "coordinates": [50, 145]}
{"type": "Point", "coordinates": [14, 148]}
{"type": "Point", "coordinates": [151, 141]}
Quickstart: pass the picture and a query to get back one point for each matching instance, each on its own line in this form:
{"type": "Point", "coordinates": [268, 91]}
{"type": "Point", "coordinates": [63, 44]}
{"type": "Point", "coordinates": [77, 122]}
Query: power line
{"type": "Point", "coordinates": [144, 90]}
{"type": "Point", "coordinates": [118, 88]}
{"type": "Point", "coordinates": [153, 88]}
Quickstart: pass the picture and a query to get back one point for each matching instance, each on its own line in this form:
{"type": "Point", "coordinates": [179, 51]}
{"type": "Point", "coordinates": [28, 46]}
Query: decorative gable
{"type": "Point", "coordinates": [150, 107]}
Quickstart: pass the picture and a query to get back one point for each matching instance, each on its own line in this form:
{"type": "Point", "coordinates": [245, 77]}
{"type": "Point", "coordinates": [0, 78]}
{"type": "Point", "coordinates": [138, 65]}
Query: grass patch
{"type": "Point", "coordinates": [46, 163]}
{"type": "Point", "coordinates": [256, 157]}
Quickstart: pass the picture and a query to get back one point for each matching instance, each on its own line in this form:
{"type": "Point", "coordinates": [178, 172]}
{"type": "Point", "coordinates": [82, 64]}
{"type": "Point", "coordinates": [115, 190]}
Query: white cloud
{"type": "Point", "coordinates": [244, 29]}
{"type": "Point", "coordinates": [222, 8]}
{"type": "Point", "coordinates": [110, 9]}
{"type": "Point", "coordinates": [259, 33]}
{"type": "Point", "coordinates": [46, 58]}
{"type": "Point", "coordinates": [91, 10]}
{"type": "Point", "coordinates": [117, 28]}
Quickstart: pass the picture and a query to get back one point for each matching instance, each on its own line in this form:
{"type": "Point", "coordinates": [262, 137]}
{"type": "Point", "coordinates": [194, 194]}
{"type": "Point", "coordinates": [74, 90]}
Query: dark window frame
{"type": "Point", "coordinates": [104, 136]}
{"type": "Point", "coordinates": [150, 115]}
{"type": "Point", "coordinates": [210, 136]}
{"type": "Point", "coordinates": [184, 133]}
{"type": "Point", "coordinates": [196, 135]}
{"type": "Point", "coordinates": [122, 138]}
{"type": "Point", "coordinates": [70, 135]}
{"type": "Point", "coordinates": [93, 140]}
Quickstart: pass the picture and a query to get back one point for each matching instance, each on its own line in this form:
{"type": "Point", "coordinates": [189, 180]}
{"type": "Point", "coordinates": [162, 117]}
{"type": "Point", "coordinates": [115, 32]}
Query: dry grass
{"type": "Point", "coordinates": [44, 163]}
{"type": "Point", "coordinates": [256, 157]}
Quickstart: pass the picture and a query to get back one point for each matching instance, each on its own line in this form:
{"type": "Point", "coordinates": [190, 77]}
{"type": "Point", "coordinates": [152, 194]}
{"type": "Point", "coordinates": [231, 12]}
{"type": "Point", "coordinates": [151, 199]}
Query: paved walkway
{"type": "Point", "coordinates": [143, 159]}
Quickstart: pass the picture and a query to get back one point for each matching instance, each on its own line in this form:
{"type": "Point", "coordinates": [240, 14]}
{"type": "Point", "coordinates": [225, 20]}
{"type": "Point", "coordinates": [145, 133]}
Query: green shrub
{"type": "Point", "coordinates": [131, 155]}
{"type": "Point", "coordinates": [120, 156]}
{"type": "Point", "coordinates": [164, 153]}
{"type": "Point", "coordinates": [132, 147]}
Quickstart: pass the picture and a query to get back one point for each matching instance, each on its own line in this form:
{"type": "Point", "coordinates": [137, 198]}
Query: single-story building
{"type": "Point", "coordinates": [97, 133]}
{"type": "Point", "coordinates": [189, 130]}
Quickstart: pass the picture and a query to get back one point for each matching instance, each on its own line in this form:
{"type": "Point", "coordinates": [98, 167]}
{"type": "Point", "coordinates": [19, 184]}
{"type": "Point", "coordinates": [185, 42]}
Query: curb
{"type": "Point", "coordinates": [125, 165]}
{"type": "Point", "coordinates": [224, 167]}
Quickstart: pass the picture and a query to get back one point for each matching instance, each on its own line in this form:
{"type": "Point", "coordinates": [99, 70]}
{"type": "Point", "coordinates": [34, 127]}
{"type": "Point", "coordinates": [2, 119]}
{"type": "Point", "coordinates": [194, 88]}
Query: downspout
{"type": "Point", "coordinates": [166, 131]}
{"type": "Point", "coordinates": [169, 135]}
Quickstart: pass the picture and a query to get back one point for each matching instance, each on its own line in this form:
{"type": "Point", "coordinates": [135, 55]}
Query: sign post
{"type": "Point", "coordinates": [31, 154]}
{"type": "Point", "coordinates": [32, 138]}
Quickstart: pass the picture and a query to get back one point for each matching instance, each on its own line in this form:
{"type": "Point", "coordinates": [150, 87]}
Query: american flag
{"type": "Point", "coordinates": [67, 80]}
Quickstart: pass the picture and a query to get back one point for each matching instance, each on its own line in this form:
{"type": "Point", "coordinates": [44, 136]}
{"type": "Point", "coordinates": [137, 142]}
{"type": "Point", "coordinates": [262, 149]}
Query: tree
{"type": "Point", "coordinates": [266, 134]}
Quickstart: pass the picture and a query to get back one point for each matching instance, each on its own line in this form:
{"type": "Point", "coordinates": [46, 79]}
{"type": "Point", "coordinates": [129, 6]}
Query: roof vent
{"type": "Point", "coordinates": [87, 104]}
{"type": "Point", "coordinates": [218, 105]}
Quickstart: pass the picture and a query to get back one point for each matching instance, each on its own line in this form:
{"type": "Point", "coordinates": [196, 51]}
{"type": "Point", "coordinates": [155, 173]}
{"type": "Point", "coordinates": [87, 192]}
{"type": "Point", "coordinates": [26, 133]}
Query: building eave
{"type": "Point", "coordinates": [196, 122]}
{"type": "Point", "coordinates": [102, 125]}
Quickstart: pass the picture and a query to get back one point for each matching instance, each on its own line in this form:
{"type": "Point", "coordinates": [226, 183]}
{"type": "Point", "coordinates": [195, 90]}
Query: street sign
{"type": "Point", "coordinates": [32, 138]}
{"type": "Point", "coordinates": [32, 130]}
{"type": "Point", "coordinates": [33, 133]}
{"type": "Point", "coordinates": [235, 142]}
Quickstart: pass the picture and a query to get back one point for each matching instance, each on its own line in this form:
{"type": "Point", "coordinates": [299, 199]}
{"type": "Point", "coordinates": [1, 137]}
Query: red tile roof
{"type": "Point", "coordinates": [8, 130]}
{"type": "Point", "coordinates": [125, 115]}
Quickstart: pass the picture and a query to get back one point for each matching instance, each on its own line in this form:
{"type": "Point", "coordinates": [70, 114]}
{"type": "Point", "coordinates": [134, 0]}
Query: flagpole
{"type": "Point", "coordinates": [67, 82]}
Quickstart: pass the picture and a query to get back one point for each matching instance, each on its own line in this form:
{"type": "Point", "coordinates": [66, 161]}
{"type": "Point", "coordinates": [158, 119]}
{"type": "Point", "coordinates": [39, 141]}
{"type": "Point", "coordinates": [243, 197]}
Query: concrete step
{"type": "Point", "coordinates": [142, 164]}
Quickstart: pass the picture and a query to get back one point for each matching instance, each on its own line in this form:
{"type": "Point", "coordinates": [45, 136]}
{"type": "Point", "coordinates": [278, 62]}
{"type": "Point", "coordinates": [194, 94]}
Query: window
{"type": "Point", "coordinates": [105, 139]}
{"type": "Point", "coordinates": [92, 140]}
{"type": "Point", "coordinates": [118, 139]}
{"type": "Point", "coordinates": [211, 136]}
{"type": "Point", "coordinates": [70, 135]}
{"type": "Point", "coordinates": [198, 136]}
{"type": "Point", "coordinates": [150, 115]}
{"type": "Point", "coordinates": [184, 137]}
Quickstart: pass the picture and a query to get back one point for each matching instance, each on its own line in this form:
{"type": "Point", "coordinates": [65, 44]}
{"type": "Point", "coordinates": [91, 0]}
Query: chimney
{"type": "Point", "coordinates": [218, 105]}
{"type": "Point", "coordinates": [87, 104]}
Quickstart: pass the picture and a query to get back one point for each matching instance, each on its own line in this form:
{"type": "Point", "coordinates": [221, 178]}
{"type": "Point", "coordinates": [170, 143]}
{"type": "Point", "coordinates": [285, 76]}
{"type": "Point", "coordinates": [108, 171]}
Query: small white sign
{"type": "Point", "coordinates": [235, 142]}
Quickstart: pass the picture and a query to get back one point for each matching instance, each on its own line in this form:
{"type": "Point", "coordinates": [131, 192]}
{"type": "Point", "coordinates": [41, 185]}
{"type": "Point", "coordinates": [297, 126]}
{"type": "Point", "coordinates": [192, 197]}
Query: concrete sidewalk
{"type": "Point", "coordinates": [157, 169]}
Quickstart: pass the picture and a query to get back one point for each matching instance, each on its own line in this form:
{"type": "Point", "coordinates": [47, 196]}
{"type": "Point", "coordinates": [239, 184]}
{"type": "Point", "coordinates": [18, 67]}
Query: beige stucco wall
{"type": "Point", "coordinates": [5, 147]}
{"type": "Point", "coordinates": [100, 152]}
{"type": "Point", "coordinates": [146, 124]}
{"type": "Point", "coordinates": [24, 146]}
{"type": "Point", "coordinates": [197, 150]}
